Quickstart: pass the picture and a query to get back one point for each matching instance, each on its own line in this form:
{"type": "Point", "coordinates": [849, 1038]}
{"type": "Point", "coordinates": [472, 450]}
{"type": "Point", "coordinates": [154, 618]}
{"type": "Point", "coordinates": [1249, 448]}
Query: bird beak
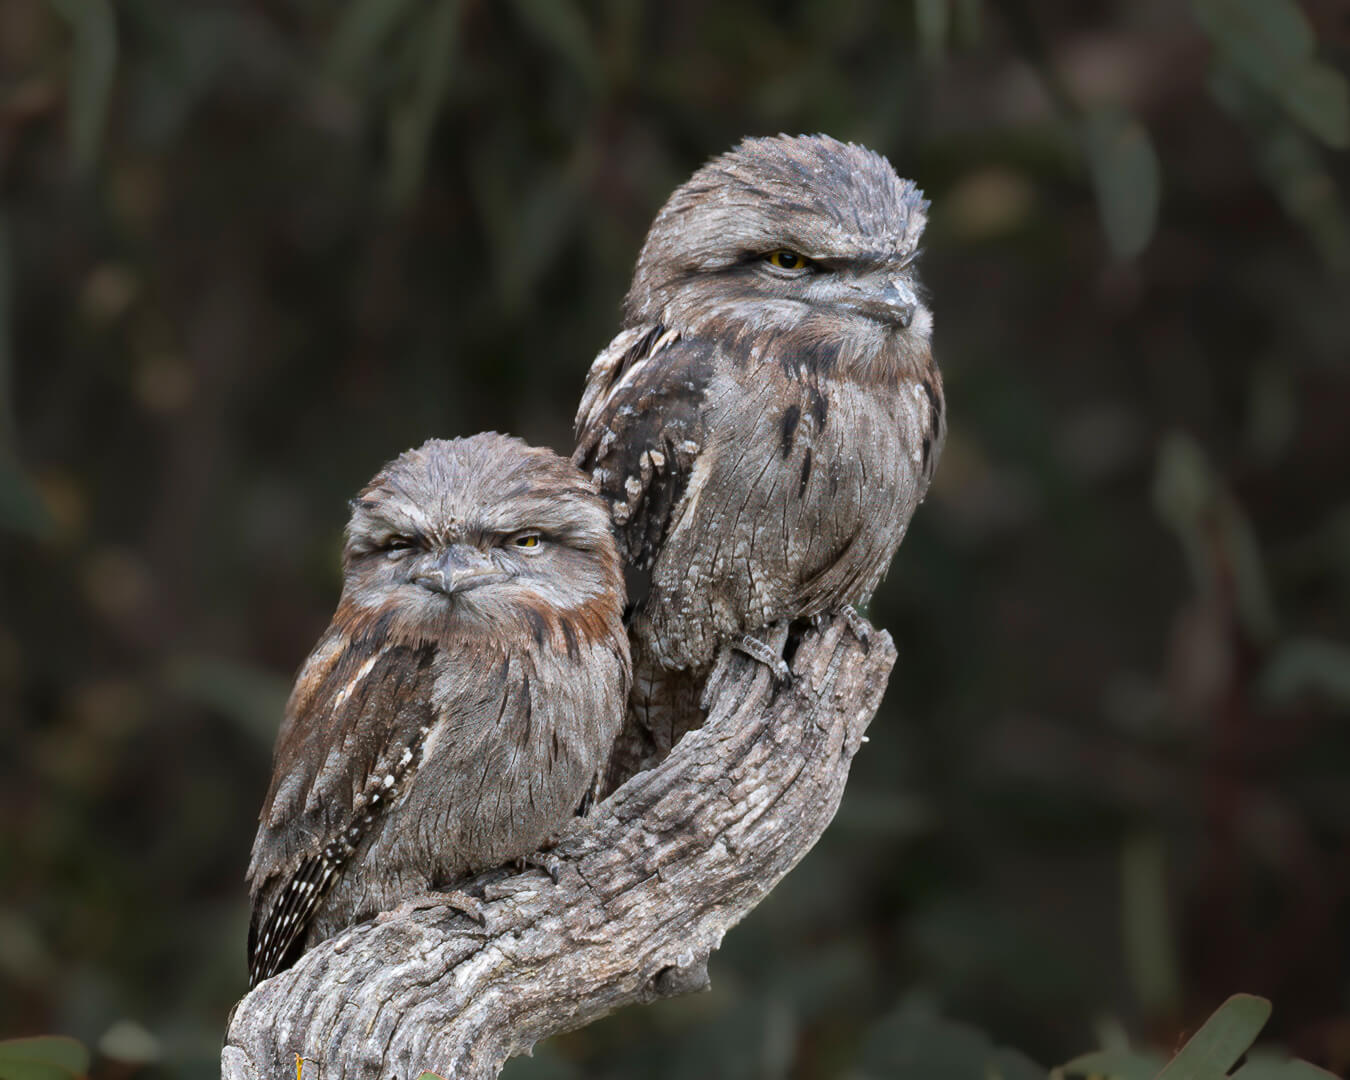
{"type": "Point", "coordinates": [461, 568]}
{"type": "Point", "coordinates": [897, 303]}
{"type": "Point", "coordinates": [893, 303]}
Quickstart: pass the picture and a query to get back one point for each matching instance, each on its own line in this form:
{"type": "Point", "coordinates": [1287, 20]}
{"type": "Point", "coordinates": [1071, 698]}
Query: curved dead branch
{"type": "Point", "coordinates": [647, 886]}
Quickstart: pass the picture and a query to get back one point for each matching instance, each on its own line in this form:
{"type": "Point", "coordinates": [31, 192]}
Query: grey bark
{"type": "Point", "coordinates": [647, 887]}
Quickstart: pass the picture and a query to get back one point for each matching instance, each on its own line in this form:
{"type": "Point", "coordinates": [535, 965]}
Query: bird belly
{"type": "Point", "coordinates": [795, 507]}
{"type": "Point", "coordinates": [503, 768]}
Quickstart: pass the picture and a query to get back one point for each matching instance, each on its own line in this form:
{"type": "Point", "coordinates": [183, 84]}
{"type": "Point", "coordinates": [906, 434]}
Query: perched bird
{"type": "Point", "coordinates": [769, 415]}
{"type": "Point", "coordinates": [462, 703]}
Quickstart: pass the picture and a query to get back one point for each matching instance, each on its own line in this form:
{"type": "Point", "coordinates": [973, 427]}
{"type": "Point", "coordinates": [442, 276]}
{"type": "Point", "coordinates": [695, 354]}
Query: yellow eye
{"type": "Point", "coordinates": [527, 540]}
{"type": "Point", "coordinates": [787, 260]}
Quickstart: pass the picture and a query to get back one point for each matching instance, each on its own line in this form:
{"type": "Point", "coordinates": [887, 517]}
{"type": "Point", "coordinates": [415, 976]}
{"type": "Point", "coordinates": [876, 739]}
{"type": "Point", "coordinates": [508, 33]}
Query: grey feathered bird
{"type": "Point", "coordinates": [769, 416]}
{"type": "Point", "coordinates": [463, 701]}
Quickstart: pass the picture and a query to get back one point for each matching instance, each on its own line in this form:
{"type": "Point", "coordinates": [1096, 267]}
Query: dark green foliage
{"type": "Point", "coordinates": [42, 1057]}
{"type": "Point", "coordinates": [251, 249]}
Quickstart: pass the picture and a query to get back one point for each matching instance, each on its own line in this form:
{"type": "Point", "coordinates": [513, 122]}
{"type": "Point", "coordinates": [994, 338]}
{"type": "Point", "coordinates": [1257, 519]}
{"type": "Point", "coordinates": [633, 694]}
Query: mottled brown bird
{"type": "Point", "coordinates": [769, 416]}
{"type": "Point", "coordinates": [463, 701]}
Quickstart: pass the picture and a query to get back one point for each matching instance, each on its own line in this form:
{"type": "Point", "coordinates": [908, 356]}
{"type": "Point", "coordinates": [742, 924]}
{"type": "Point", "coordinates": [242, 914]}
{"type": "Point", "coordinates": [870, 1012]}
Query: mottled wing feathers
{"type": "Point", "coordinates": [373, 714]}
{"type": "Point", "coordinates": [274, 943]}
{"type": "Point", "coordinates": [641, 424]}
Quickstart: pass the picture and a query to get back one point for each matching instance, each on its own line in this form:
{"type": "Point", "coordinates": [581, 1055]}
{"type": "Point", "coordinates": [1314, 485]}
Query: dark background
{"type": "Point", "coordinates": [251, 250]}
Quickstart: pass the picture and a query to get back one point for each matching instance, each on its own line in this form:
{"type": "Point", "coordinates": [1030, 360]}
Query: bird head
{"type": "Point", "coordinates": [484, 535]}
{"type": "Point", "coordinates": [787, 232]}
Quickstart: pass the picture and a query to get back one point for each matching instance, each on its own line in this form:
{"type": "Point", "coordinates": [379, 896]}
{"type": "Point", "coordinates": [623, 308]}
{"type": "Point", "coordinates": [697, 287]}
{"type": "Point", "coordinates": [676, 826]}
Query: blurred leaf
{"type": "Point", "coordinates": [7, 414]}
{"type": "Point", "coordinates": [254, 699]}
{"type": "Point", "coordinates": [560, 26]}
{"type": "Point", "coordinates": [364, 27]}
{"type": "Point", "coordinates": [527, 227]}
{"type": "Point", "coordinates": [1270, 1067]}
{"type": "Point", "coordinates": [1202, 1059]}
{"type": "Point", "coordinates": [1272, 412]}
{"type": "Point", "coordinates": [932, 20]}
{"type": "Point", "coordinates": [1272, 42]}
{"type": "Point", "coordinates": [543, 1064]}
{"type": "Point", "coordinates": [1122, 1064]}
{"type": "Point", "coordinates": [1265, 36]}
{"type": "Point", "coordinates": [1291, 164]}
{"type": "Point", "coordinates": [1308, 192]}
{"type": "Point", "coordinates": [1125, 175]}
{"type": "Point", "coordinates": [412, 122]}
{"type": "Point", "coordinates": [91, 73]}
{"type": "Point", "coordinates": [969, 25]}
{"type": "Point", "coordinates": [1308, 665]}
{"type": "Point", "coordinates": [1318, 97]}
{"type": "Point", "coordinates": [1215, 534]}
{"type": "Point", "coordinates": [1221, 1040]}
{"type": "Point", "coordinates": [24, 954]}
{"type": "Point", "coordinates": [129, 1042]}
{"type": "Point", "coordinates": [1150, 952]}
{"type": "Point", "coordinates": [21, 507]}
{"type": "Point", "coordinates": [44, 1057]}
{"type": "Point", "coordinates": [911, 1046]}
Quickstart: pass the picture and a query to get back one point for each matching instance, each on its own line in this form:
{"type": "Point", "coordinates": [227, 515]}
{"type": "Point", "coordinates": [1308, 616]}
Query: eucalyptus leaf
{"type": "Point", "coordinates": [1126, 177]}
{"type": "Point", "coordinates": [8, 422]}
{"type": "Point", "coordinates": [912, 1046]}
{"type": "Point", "coordinates": [1318, 97]}
{"type": "Point", "coordinates": [43, 1057]}
{"type": "Point", "coordinates": [412, 120]}
{"type": "Point", "coordinates": [1264, 36]}
{"type": "Point", "coordinates": [21, 507]}
{"type": "Point", "coordinates": [1272, 42]}
{"type": "Point", "coordinates": [91, 73]}
{"type": "Point", "coordinates": [932, 23]}
{"type": "Point", "coordinates": [1221, 1040]}
{"type": "Point", "coordinates": [559, 25]}
{"type": "Point", "coordinates": [1269, 1067]}
{"type": "Point", "coordinates": [1120, 1064]}
{"type": "Point", "coordinates": [364, 27]}
{"type": "Point", "coordinates": [1150, 947]}
{"type": "Point", "coordinates": [252, 698]}
{"type": "Point", "coordinates": [1308, 666]}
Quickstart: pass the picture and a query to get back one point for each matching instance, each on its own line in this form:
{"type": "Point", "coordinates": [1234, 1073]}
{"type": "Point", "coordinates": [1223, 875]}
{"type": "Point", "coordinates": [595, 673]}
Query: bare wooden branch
{"type": "Point", "coordinates": [647, 887]}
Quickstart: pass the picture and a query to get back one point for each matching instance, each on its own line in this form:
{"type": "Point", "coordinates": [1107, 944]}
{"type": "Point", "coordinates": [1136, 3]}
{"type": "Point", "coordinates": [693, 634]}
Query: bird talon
{"type": "Point", "coordinates": [545, 861]}
{"type": "Point", "coordinates": [862, 629]}
{"type": "Point", "coordinates": [456, 899]}
{"type": "Point", "coordinates": [756, 649]}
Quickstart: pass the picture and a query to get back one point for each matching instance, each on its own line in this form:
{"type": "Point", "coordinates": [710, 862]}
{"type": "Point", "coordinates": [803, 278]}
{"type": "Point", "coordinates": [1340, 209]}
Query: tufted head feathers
{"type": "Point", "coordinates": [479, 533]}
{"type": "Point", "coordinates": [839, 208]}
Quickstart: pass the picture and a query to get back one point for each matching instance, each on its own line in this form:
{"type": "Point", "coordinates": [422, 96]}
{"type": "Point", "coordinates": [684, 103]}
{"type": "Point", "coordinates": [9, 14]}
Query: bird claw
{"type": "Point", "coordinates": [758, 650]}
{"type": "Point", "coordinates": [545, 861]}
{"type": "Point", "coordinates": [862, 629]}
{"type": "Point", "coordinates": [456, 899]}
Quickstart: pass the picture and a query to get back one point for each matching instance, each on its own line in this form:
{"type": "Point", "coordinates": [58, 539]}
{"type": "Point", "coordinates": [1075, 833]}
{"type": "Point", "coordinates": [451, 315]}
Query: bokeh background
{"type": "Point", "coordinates": [251, 249]}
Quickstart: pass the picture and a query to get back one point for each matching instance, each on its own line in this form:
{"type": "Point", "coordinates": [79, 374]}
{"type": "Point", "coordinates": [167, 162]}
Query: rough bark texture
{"type": "Point", "coordinates": [648, 885]}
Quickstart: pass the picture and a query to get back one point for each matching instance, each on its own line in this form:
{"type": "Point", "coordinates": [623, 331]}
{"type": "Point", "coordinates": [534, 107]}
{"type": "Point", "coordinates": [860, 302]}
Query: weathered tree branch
{"type": "Point", "coordinates": [648, 885]}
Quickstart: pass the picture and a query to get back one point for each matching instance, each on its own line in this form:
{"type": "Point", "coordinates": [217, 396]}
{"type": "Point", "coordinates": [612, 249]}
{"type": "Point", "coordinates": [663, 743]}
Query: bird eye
{"type": "Point", "coordinates": [397, 546]}
{"type": "Point", "coordinates": [785, 259]}
{"type": "Point", "coordinates": [528, 540]}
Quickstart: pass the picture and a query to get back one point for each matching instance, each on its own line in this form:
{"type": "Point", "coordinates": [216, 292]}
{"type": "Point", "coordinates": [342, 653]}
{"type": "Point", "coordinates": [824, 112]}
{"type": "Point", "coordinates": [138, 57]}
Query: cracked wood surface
{"type": "Point", "coordinates": [647, 886]}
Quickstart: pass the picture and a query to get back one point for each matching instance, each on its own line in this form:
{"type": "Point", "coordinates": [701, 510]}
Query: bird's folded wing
{"type": "Point", "coordinates": [372, 715]}
{"type": "Point", "coordinates": [641, 425]}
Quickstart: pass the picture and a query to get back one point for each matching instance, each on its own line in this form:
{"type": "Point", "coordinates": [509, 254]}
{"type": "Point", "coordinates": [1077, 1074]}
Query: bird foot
{"type": "Point", "coordinates": [459, 901]}
{"type": "Point", "coordinates": [545, 861]}
{"type": "Point", "coordinates": [756, 649]}
{"type": "Point", "coordinates": [862, 629]}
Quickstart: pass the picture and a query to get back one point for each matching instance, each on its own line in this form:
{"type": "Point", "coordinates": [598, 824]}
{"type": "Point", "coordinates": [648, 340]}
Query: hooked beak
{"type": "Point", "coordinates": [461, 568]}
{"type": "Point", "coordinates": [894, 303]}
